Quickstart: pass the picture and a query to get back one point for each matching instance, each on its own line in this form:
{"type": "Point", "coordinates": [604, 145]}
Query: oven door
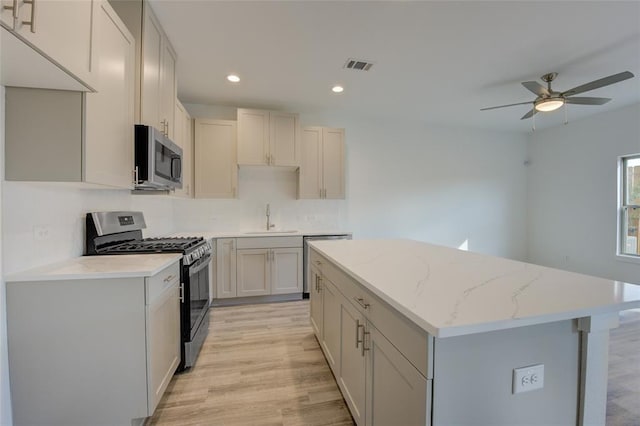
{"type": "Point", "coordinates": [198, 292]}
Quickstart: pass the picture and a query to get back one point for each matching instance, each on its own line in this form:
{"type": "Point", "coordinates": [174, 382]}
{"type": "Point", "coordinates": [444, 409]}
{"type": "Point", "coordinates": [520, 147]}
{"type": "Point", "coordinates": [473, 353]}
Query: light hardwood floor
{"type": "Point", "coordinates": [261, 365]}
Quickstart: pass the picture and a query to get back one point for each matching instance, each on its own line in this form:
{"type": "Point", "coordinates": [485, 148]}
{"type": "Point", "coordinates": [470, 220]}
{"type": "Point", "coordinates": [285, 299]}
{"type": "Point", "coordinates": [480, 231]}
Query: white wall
{"type": "Point", "coordinates": [61, 211]}
{"type": "Point", "coordinates": [5, 395]}
{"type": "Point", "coordinates": [572, 187]}
{"type": "Point", "coordinates": [404, 180]}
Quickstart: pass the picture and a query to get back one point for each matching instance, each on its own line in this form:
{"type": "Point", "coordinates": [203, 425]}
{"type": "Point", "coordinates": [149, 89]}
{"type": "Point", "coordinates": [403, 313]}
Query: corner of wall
{"type": "Point", "coordinates": [5, 393]}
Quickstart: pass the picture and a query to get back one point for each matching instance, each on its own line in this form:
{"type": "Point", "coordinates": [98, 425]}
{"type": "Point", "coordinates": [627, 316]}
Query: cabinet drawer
{"type": "Point", "coordinates": [161, 281]}
{"type": "Point", "coordinates": [268, 242]}
{"type": "Point", "coordinates": [413, 342]}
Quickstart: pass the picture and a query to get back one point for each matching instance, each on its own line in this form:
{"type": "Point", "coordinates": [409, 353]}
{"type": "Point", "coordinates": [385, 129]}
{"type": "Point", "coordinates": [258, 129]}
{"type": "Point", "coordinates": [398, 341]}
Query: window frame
{"type": "Point", "coordinates": [623, 208]}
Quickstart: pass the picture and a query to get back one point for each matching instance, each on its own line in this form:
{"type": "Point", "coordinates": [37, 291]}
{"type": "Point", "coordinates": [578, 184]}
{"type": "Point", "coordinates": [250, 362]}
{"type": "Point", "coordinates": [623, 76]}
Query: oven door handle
{"type": "Point", "coordinates": [200, 265]}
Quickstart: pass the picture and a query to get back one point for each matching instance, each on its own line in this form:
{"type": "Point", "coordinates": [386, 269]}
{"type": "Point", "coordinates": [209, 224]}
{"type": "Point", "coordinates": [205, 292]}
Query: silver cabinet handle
{"type": "Point", "coordinates": [317, 262]}
{"type": "Point", "coordinates": [233, 189]}
{"type": "Point", "coordinates": [13, 8]}
{"type": "Point", "coordinates": [182, 292]}
{"type": "Point", "coordinates": [358, 326]}
{"type": "Point", "coordinates": [32, 22]}
{"type": "Point", "coordinates": [266, 158]}
{"type": "Point", "coordinates": [364, 341]}
{"type": "Point", "coordinates": [320, 191]}
{"type": "Point", "coordinates": [361, 302]}
{"type": "Point", "coordinates": [169, 278]}
{"type": "Point", "coordinates": [135, 176]}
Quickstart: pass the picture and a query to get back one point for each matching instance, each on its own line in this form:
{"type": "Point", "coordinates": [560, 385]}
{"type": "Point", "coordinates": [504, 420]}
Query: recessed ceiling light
{"type": "Point", "coordinates": [233, 78]}
{"type": "Point", "coordinates": [337, 89]}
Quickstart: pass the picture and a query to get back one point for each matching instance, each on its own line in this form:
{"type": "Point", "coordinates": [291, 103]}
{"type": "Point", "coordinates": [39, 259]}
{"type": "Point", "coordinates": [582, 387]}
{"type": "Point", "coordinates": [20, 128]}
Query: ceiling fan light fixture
{"type": "Point", "coordinates": [233, 78]}
{"type": "Point", "coordinates": [549, 104]}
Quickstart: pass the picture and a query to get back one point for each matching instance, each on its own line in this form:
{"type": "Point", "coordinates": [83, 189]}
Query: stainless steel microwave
{"type": "Point", "coordinates": [158, 161]}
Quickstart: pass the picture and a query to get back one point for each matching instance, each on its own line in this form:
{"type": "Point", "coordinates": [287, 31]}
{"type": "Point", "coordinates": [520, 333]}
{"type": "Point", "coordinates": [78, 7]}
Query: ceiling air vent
{"type": "Point", "coordinates": [358, 64]}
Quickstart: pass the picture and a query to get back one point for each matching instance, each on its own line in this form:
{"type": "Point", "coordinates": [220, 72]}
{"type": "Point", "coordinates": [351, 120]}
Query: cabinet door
{"type": "Point", "coordinates": [286, 270]}
{"type": "Point", "coordinates": [7, 12]}
{"type": "Point", "coordinates": [333, 163]}
{"type": "Point", "coordinates": [352, 360]}
{"type": "Point", "coordinates": [284, 140]}
{"type": "Point", "coordinates": [254, 272]}
{"type": "Point", "coordinates": [63, 31]}
{"type": "Point", "coordinates": [163, 343]}
{"type": "Point", "coordinates": [182, 137]}
{"type": "Point", "coordinates": [310, 184]}
{"type": "Point", "coordinates": [315, 303]}
{"type": "Point", "coordinates": [216, 166]}
{"type": "Point", "coordinates": [108, 147]}
{"type": "Point", "coordinates": [226, 267]}
{"type": "Point", "coordinates": [253, 137]}
{"type": "Point", "coordinates": [168, 90]}
{"type": "Point", "coordinates": [396, 392]}
{"type": "Point", "coordinates": [331, 300]}
{"type": "Point", "coordinates": [151, 70]}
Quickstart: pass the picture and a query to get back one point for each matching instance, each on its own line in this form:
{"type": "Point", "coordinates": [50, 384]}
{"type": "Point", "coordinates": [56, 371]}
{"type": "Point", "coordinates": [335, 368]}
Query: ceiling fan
{"type": "Point", "coordinates": [550, 100]}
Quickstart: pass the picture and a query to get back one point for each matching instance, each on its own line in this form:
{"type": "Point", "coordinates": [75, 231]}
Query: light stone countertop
{"type": "Point", "coordinates": [449, 292]}
{"type": "Point", "coordinates": [97, 267]}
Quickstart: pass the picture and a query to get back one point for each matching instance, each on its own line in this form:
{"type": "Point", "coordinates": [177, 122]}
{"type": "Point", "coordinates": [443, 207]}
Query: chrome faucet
{"type": "Point", "coordinates": [269, 224]}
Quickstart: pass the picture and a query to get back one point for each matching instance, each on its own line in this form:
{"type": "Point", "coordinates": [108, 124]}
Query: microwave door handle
{"type": "Point", "coordinates": [176, 168]}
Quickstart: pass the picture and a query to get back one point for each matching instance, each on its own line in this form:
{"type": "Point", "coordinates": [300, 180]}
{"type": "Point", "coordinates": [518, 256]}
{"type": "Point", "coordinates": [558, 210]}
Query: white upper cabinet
{"type": "Point", "coordinates": [155, 66]}
{"type": "Point", "coordinates": [62, 31]}
{"type": "Point", "coordinates": [158, 75]}
{"type": "Point", "coordinates": [183, 137]}
{"type": "Point", "coordinates": [108, 148]}
{"type": "Point", "coordinates": [216, 166]}
{"type": "Point", "coordinates": [73, 136]}
{"type": "Point", "coordinates": [322, 168]}
{"type": "Point", "coordinates": [268, 138]}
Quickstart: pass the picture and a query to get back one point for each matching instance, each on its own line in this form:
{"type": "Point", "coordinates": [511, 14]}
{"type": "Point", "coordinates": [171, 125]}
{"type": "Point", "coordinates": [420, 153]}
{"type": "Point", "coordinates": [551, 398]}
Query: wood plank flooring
{"type": "Point", "coordinates": [261, 365]}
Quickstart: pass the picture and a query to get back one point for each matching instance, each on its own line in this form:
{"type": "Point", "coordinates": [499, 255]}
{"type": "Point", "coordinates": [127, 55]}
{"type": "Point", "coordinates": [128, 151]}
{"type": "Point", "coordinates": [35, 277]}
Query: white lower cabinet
{"type": "Point", "coordinates": [92, 351]}
{"type": "Point", "coordinates": [396, 392]}
{"type": "Point", "coordinates": [258, 266]}
{"type": "Point", "coordinates": [352, 379]}
{"type": "Point", "coordinates": [379, 383]}
{"type": "Point", "coordinates": [163, 338]}
{"type": "Point", "coordinates": [226, 268]}
{"type": "Point", "coordinates": [316, 303]}
{"type": "Point", "coordinates": [254, 272]}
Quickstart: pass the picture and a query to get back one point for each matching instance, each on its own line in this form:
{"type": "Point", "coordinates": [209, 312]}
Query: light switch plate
{"type": "Point", "coordinates": [529, 378]}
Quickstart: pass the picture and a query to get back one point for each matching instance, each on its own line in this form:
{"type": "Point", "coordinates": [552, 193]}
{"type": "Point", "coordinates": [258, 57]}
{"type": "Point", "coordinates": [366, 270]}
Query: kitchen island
{"type": "Point", "coordinates": [421, 334]}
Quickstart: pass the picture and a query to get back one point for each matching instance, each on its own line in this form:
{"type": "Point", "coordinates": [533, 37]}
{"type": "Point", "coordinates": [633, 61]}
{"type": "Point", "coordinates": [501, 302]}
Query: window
{"type": "Point", "coordinates": [629, 205]}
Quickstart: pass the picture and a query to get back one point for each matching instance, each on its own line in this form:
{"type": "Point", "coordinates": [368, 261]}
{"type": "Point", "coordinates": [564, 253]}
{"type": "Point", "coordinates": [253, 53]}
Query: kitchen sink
{"type": "Point", "coordinates": [274, 231]}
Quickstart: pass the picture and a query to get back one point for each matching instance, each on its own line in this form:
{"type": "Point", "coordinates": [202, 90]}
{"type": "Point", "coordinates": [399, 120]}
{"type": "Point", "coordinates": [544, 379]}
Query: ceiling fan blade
{"type": "Point", "coordinates": [529, 114]}
{"type": "Point", "coordinates": [596, 84]}
{"type": "Point", "coordinates": [587, 101]}
{"type": "Point", "coordinates": [504, 106]}
{"type": "Point", "coordinates": [536, 88]}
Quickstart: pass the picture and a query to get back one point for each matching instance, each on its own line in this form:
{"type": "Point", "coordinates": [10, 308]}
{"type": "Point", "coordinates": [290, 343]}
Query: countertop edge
{"type": "Point", "coordinates": [461, 330]}
{"type": "Point", "coordinates": [39, 274]}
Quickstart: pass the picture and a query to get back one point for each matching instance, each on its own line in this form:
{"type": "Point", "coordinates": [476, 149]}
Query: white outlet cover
{"type": "Point", "coordinates": [528, 378]}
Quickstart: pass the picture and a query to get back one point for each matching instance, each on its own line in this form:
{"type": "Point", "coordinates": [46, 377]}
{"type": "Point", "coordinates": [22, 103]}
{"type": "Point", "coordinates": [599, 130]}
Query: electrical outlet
{"type": "Point", "coordinates": [41, 233]}
{"type": "Point", "coordinates": [529, 378]}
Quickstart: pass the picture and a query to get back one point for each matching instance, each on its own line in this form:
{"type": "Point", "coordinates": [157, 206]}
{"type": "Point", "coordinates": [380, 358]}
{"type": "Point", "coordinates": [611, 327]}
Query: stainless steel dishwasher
{"type": "Point", "coordinates": [305, 257]}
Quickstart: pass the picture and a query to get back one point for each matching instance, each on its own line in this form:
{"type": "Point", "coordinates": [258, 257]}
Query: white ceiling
{"type": "Point", "coordinates": [435, 62]}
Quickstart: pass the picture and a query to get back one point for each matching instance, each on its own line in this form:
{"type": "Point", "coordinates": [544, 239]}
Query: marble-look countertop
{"type": "Point", "coordinates": [208, 235]}
{"type": "Point", "coordinates": [449, 292]}
{"type": "Point", "coordinates": [96, 267]}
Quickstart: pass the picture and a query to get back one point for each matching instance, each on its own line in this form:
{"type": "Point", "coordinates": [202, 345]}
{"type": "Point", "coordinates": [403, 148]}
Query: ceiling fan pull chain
{"type": "Point", "coordinates": [566, 119]}
{"type": "Point", "coordinates": [533, 126]}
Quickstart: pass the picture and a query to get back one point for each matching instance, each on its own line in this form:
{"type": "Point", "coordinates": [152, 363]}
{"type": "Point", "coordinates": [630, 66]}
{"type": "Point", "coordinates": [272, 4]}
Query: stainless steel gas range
{"type": "Point", "coordinates": [120, 232]}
